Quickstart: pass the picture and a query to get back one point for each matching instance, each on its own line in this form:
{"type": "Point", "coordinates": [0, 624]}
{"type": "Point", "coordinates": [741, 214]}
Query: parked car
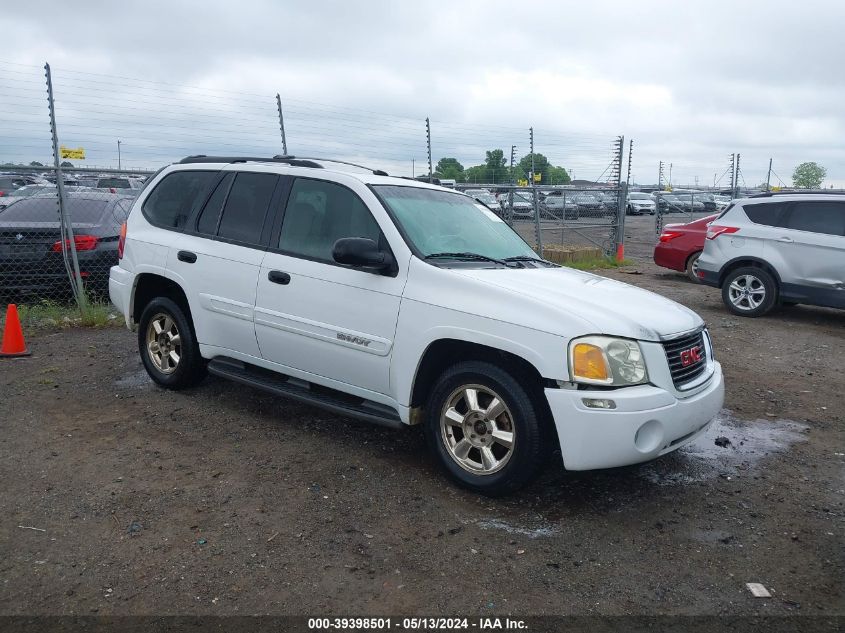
{"type": "Point", "coordinates": [588, 204]}
{"type": "Point", "coordinates": [690, 202]}
{"type": "Point", "coordinates": [771, 249]}
{"type": "Point", "coordinates": [31, 259]}
{"type": "Point", "coordinates": [558, 207]}
{"type": "Point", "coordinates": [668, 203]}
{"type": "Point", "coordinates": [119, 182]}
{"type": "Point", "coordinates": [403, 303]}
{"type": "Point", "coordinates": [522, 204]}
{"type": "Point", "coordinates": [11, 182]}
{"type": "Point", "coordinates": [640, 203]}
{"type": "Point", "coordinates": [679, 246]}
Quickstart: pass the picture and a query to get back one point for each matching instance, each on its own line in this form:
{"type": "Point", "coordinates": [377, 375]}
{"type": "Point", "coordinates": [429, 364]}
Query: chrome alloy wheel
{"type": "Point", "coordinates": [747, 292]}
{"type": "Point", "coordinates": [164, 345]}
{"type": "Point", "coordinates": [477, 429]}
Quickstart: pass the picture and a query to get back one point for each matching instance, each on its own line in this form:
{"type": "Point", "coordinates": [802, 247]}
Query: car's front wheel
{"type": "Point", "coordinates": [168, 346]}
{"type": "Point", "coordinates": [749, 291]}
{"type": "Point", "coordinates": [485, 428]}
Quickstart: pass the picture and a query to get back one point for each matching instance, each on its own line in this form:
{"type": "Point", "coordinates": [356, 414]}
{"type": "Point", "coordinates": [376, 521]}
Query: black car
{"type": "Point", "coordinates": [31, 261]}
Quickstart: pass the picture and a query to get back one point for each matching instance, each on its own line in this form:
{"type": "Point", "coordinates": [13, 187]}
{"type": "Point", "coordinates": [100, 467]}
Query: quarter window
{"type": "Point", "coordinates": [246, 207]}
{"type": "Point", "coordinates": [768, 214]}
{"type": "Point", "coordinates": [320, 213]}
{"type": "Point", "coordinates": [177, 196]}
{"type": "Point", "coordinates": [818, 217]}
{"type": "Point", "coordinates": [210, 215]}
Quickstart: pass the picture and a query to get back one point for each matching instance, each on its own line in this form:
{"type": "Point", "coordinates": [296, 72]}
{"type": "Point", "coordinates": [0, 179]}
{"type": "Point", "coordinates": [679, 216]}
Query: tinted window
{"type": "Point", "coordinates": [86, 210]}
{"type": "Point", "coordinates": [320, 213]}
{"type": "Point", "coordinates": [817, 217]}
{"type": "Point", "coordinates": [246, 207]}
{"type": "Point", "coordinates": [113, 183]}
{"type": "Point", "coordinates": [211, 214]}
{"type": "Point", "coordinates": [177, 196]}
{"type": "Point", "coordinates": [769, 214]}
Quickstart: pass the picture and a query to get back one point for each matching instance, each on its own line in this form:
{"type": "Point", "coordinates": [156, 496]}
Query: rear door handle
{"type": "Point", "coordinates": [278, 277]}
{"type": "Point", "coordinates": [187, 256]}
{"type": "Point", "coordinates": [785, 240]}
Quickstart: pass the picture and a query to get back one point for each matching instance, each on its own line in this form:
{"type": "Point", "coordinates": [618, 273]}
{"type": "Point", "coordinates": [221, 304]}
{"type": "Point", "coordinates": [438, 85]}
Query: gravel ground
{"type": "Point", "coordinates": [224, 500]}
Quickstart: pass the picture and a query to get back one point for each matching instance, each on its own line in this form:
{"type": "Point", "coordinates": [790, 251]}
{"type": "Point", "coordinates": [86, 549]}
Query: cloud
{"type": "Point", "coordinates": [690, 82]}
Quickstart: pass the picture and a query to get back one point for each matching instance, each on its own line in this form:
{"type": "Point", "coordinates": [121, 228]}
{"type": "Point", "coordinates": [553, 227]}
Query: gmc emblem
{"type": "Point", "coordinates": [691, 356]}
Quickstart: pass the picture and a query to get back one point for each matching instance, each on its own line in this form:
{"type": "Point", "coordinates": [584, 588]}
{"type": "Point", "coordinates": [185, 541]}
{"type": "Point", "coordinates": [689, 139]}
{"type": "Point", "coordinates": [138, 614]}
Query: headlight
{"type": "Point", "coordinates": [602, 360]}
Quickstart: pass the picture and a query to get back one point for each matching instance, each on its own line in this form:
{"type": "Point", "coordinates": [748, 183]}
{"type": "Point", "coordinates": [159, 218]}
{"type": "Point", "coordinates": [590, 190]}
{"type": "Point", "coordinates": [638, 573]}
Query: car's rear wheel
{"type": "Point", "coordinates": [485, 428]}
{"type": "Point", "coordinates": [749, 291]}
{"type": "Point", "coordinates": [692, 267]}
{"type": "Point", "coordinates": [168, 346]}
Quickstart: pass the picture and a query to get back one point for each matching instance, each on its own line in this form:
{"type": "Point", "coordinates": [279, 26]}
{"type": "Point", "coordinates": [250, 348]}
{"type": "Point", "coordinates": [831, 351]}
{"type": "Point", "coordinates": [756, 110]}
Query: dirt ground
{"type": "Point", "coordinates": [224, 500]}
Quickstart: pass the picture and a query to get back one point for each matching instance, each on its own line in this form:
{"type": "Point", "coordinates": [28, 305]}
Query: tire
{"type": "Point", "coordinates": [163, 327]}
{"type": "Point", "coordinates": [520, 422]}
{"type": "Point", "coordinates": [692, 267]}
{"type": "Point", "coordinates": [761, 300]}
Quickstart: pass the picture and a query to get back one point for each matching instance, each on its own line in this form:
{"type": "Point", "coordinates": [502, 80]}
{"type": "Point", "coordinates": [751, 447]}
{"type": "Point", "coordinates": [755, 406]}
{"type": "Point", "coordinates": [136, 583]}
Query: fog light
{"type": "Point", "coordinates": [598, 403]}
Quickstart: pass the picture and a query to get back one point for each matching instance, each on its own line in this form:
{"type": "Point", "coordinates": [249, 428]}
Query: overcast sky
{"type": "Point", "coordinates": [690, 83]}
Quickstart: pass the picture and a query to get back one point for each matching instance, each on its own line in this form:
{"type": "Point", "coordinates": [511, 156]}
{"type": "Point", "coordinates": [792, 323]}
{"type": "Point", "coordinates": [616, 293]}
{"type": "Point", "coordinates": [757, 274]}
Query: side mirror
{"type": "Point", "coordinates": [361, 252]}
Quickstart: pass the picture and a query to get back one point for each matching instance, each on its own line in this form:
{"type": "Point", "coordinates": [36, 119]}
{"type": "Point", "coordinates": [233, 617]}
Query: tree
{"type": "Point", "coordinates": [449, 168]}
{"type": "Point", "coordinates": [549, 174]}
{"type": "Point", "coordinates": [477, 174]}
{"type": "Point", "coordinates": [67, 163]}
{"type": "Point", "coordinates": [35, 163]}
{"type": "Point", "coordinates": [494, 162]}
{"type": "Point", "coordinates": [558, 176]}
{"type": "Point", "coordinates": [808, 176]}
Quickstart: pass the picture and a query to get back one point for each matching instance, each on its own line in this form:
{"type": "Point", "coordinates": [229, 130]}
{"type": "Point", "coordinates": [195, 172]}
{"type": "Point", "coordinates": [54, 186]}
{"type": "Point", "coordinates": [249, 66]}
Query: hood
{"type": "Point", "coordinates": [605, 305]}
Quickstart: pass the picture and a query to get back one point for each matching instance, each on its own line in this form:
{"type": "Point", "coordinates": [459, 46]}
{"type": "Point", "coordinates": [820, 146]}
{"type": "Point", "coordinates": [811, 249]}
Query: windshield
{"type": "Point", "coordinates": [36, 209]}
{"type": "Point", "coordinates": [113, 183]}
{"type": "Point", "coordinates": [639, 196]}
{"type": "Point", "coordinates": [442, 222]}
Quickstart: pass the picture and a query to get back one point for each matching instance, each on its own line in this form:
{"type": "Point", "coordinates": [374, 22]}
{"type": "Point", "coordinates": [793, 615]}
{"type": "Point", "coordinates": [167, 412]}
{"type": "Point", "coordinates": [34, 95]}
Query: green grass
{"type": "Point", "coordinates": [52, 314]}
{"type": "Point", "coordinates": [593, 263]}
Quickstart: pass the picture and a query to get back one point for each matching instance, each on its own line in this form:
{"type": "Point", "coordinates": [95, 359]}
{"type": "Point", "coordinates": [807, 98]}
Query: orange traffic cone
{"type": "Point", "coordinates": [13, 344]}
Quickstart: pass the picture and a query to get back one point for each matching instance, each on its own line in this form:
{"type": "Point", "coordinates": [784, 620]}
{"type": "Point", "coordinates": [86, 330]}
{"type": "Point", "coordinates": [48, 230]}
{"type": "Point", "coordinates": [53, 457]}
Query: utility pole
{"type": "Point", "coordinates": [67, 241]}
{"type": "Point", "coordinates": [769, 177]}
{"type": "Point", "coordinates": [513, 156]}
{"type": "Point", "coordinates": [428, 144]}
{"type": "Point", "coordinates": [282, 124]}
{"type": "Point", "coordinates": [118, 156]}
{"type": "Point", "coordinates": [537, 232]}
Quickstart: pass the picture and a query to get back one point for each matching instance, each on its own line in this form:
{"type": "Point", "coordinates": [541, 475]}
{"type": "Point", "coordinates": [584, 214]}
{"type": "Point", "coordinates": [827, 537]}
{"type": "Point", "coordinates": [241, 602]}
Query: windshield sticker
{"type": "Point", "coordinates": [488, 213]}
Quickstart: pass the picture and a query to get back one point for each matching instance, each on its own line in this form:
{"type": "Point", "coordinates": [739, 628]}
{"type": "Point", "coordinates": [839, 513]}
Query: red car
{"type": "Point", "coordinates": [681, 244]}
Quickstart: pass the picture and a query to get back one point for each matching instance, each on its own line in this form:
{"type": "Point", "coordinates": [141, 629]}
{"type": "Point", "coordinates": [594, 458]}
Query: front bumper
{"type": "Point", "coordinates": [648, 422]}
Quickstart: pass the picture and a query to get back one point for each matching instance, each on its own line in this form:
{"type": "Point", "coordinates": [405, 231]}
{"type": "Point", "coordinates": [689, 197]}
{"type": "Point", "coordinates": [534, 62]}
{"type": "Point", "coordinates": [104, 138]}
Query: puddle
{"type": "Point", "coordinates": [498, 524]}
{"type": "Point", "coordinates": [135, 380]}
{"type": "Point", "coordinates": [749, 442]}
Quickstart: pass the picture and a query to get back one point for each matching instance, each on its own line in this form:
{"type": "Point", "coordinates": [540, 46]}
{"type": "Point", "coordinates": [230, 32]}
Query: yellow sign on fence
{"type": "Point", "coordinates": [522, 182]}
{"type": "Point", "coordinates": [538, 177]}
{"type": "Point", "coordinates": [69, 152]}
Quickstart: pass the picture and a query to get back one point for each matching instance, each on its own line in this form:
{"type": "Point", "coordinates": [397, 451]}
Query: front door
{"type": "Point", "coordinates": [315, 315]}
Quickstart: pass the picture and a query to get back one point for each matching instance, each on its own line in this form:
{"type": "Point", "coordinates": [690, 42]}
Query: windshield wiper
{"type": "Point", "coordinates": [475, 256]}
{"type": "Point", "coordinates": [529, 258]}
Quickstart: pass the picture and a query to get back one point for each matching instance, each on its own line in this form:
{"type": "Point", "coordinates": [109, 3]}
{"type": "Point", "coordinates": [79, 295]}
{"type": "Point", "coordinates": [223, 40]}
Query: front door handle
{"type": "Point", "coordinates": [187, 256]}
{"type": "Point", "coordinates": [278, 277]}
{"type": "Point", "coordinates": [785, 240]}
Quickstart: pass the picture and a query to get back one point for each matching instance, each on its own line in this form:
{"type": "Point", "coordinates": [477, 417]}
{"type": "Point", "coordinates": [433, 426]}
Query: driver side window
{"type": "Point", "coordinates": [318, 214]}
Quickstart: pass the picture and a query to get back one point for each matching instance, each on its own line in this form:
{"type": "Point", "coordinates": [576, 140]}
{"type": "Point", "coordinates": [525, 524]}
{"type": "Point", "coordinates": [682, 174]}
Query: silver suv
{"type": "Point", "coordinates": [777, 248]}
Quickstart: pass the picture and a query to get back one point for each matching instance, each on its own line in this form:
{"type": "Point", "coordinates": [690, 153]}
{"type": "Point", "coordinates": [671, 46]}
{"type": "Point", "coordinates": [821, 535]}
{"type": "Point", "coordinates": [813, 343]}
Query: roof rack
{"type": "Point", "coordinates": [295, 161]}
{"type": "Point", "coordinates": [290, 160]}
{"type": "Point", "coordinates": [799, 192]}
{"type": "Point", "coordinates": [376, 172]}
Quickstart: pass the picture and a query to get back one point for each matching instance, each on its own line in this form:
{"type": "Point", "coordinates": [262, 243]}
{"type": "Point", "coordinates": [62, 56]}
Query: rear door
{"type": "Point", "coordinates": [812, 244]}
{"type": "Point", "coordinates": [218, 257]}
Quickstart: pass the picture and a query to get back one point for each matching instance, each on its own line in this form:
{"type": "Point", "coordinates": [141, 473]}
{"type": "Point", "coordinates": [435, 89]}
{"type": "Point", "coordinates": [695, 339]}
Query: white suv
{"type": "Point", "coordinates": [404, 303]}
{"type": "Point", "coordinates": [777, 248]}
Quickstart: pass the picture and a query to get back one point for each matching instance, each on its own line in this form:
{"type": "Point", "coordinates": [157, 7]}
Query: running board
{"type": "Point", "coordinates": [310, 393]}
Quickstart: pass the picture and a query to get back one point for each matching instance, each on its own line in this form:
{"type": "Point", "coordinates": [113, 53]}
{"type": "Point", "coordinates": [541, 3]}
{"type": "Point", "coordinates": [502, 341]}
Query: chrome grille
{"type": "Point", "coordinates": [684, 363]}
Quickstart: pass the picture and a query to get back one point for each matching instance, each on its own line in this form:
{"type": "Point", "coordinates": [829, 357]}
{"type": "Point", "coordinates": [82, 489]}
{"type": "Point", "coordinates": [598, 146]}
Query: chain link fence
{"type": "Point", "coordinates": [60, 222]}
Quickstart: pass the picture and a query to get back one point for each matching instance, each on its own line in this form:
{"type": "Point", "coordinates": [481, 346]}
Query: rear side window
{"type": "Point", "coordinates": [246, 207]}
{"type": "Point", "coordinates": [176, 197]}
{"type": "Point", "coordinates": [817, 217]}
{"type": "Point", "coordinates": [768, 214]}
{"type": "Point", "coordinates": [318, 214]}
